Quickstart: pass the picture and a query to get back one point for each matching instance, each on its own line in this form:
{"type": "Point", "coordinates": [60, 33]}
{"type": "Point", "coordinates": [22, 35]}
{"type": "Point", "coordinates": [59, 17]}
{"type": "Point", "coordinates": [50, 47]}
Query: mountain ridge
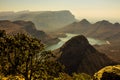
{"type": "Point", "coordinates": [26, 27]}
{"type": "Point", "coordinates": [101, 29]}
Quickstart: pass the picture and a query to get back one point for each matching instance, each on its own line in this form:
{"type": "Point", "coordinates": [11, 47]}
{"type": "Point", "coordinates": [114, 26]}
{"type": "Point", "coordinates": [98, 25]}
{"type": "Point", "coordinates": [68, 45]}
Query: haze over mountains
{"type": "Point", "coordinates": [77, 54]}
{"type": "Point", "coordinates": [101, 29]}
{"type": "Point", "coordinates": [55, 20]}
{"type": "Point", "coordinates": [43, 20]}
{"type": "Point", "coordinates": [64, 22]}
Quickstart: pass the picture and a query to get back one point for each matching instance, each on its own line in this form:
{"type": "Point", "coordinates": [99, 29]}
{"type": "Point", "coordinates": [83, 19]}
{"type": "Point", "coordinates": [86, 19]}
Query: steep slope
{"type": "Point", "coordinates": [79, 56]}
{"type": "Point", "coordinates": [31, 29]}
{"type": "Point", "coordinates": [44, 20]}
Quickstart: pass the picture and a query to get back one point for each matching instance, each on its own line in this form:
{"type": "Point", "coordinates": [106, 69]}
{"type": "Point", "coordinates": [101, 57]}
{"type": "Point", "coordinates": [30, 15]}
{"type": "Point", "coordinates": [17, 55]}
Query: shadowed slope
{"type": "Point", "coordinates": [79, 56]}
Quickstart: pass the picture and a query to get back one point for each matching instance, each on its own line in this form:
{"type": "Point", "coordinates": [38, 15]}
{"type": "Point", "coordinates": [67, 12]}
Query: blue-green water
{"type": "Point", "coordinates": [92, 41]}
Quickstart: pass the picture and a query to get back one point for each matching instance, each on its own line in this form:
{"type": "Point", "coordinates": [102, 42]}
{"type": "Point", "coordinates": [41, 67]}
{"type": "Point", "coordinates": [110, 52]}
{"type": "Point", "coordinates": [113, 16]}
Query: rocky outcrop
{"type": "Point", "coordinates": [108, 73]}
{"type": "Point", "coordinates": [79, 56]}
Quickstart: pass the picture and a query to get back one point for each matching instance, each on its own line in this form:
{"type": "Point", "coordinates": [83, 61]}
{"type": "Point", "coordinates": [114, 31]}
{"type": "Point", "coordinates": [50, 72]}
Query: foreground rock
{"type": "Point", "coordinates": [108, 73]}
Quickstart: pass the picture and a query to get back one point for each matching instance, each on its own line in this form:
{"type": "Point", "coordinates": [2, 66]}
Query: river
{"type": "Point", "coordinates": [92, 41]}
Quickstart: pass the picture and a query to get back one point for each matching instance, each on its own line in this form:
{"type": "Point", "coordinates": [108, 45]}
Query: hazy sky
{"type": "Point", "coordinates": [89, 9]}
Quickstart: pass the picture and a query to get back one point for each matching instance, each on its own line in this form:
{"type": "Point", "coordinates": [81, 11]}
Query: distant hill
{"type": "Point", "coordinates": [104, 29]}
{"type": "Point", "coordinates": [26, 27]}
{"type": "Point", "coordinates": [31, 29]}
{"type": "Point", "coordinates": [44, 20]}
{"type": "Point", "coordinates": [79, 56]}
{"type": "Point", "coordinates": [101, 29]}
{"type": "Point", "coordinates": [77, 27]}
{"type": "Point", "coordinates": [11, 28]}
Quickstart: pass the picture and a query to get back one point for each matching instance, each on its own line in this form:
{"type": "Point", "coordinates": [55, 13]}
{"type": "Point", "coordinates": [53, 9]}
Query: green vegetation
{"type": "Point", "coordinates": [23, 55]}
{"type": "Point", "coordinates": [75, 76]}
{"type": "Point", "coordinates": [81, 76]}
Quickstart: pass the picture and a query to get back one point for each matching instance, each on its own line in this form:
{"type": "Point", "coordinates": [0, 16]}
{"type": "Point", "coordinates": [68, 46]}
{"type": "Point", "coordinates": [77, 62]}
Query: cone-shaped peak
{"type": "Point", "coordinates": [84, 22]}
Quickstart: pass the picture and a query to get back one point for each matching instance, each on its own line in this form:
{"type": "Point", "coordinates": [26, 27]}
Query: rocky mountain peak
{"type": "Point", "coordinates": [79, 56]}
{"type": "Point", "coordinates": [84, 22]}
{"type": "Point", "coordinates": [103, 22]}
{"type": "Point", "coordinates": [24, 23]}
{"type": "Point", "coordinates": [116, 24]}
{"type": "Point", "coordinates": [76, 41]}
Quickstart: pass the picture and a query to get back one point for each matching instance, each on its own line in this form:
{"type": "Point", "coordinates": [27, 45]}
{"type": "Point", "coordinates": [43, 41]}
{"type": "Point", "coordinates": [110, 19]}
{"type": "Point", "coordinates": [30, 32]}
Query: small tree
{"type": "Point", "coordinates": [22, 54]}
{"type": "Point", "coordinates": [64, 76]}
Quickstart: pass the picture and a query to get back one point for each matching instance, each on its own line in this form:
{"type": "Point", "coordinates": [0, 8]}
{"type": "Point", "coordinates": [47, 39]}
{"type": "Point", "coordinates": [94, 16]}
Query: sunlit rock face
{"type": "Point", "coordinates": [108, 73]}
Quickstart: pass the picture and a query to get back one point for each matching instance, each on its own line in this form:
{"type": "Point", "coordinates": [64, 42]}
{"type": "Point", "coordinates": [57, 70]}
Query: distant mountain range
{"type": "Point", "coordinates": [10, 27]}
{"type": "Point", "coordinates": [44, 20]}
{"type": "Point", "coordinates": [79, 56]}
{"type": "Point", "coordinates": [101, 29]}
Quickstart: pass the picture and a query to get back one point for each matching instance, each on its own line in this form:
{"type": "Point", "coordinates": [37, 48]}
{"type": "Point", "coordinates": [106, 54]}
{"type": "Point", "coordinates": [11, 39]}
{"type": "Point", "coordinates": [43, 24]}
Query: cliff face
{"type": "Point", "coordinates": [44, 20]}
{"type": "Point", "coordinates": [79, 56]}
{"type": "Point", "coordinates": [31, 29]}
